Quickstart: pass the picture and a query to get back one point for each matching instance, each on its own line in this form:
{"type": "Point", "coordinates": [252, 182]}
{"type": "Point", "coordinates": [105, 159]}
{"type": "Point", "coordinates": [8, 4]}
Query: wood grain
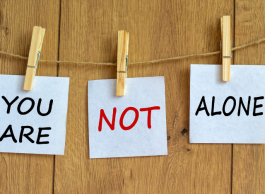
{"type": "Point", "coordinates": [226, 46]}
{"type": "Point", "coordinates": [158, 29]}
{"type": "Point", "coordinates": [26, 173]}
{"type": "Point", "coordinates": [122, 53]}
{"type": "Point", "coordinates": [34, 54]}
{"type": "Point", "coordinates": [249, 160]}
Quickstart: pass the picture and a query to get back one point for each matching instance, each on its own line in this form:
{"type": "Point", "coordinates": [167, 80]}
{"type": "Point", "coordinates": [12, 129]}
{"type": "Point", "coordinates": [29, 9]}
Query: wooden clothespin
{"type": "Point", "coordinates": [34, 54]}
{"type": "Point", "coordinates": [122, 61]}
{"type": "Point", "coordinates": [226, 47]}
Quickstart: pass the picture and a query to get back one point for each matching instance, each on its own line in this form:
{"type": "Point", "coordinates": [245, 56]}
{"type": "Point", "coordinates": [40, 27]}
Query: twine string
{"type": "Point", "coordinates": [139, 63]}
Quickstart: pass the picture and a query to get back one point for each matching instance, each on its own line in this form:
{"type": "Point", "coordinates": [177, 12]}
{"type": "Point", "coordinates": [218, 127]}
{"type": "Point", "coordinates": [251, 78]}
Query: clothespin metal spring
{"type": "Point", "coordinates": [36, 65]}
{"type": "Point", "coordinates": [126, 66]}
{"type": "Point", "coordinates": [230, 50]}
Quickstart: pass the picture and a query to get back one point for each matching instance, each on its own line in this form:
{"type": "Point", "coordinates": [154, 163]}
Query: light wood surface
{"type": "Point", "coordinates": [27, 173]}
{"type": "Point", "coordinates": [249, 160]}
{"type": "Point", "coordinates": [122, 53]}
{"type": "Point", "coordinates": [226, 46]}
{"type": "Point", "coordinates": [158, 29]}
{"type": "Point", "coordinates": [88, 31]}
{"type": "Point", "coordinates": [34, 54]}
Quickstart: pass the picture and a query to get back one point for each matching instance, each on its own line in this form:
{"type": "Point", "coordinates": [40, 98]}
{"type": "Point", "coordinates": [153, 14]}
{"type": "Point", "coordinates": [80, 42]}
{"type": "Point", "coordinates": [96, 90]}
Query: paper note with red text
{"type": "Point", "coordinates": [127, 126]}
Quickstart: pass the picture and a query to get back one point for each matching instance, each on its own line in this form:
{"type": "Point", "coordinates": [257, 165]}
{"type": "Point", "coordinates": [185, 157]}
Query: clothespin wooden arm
{"type": "Point", "coordinates": [122, 61]}
{"type": "Point", "coordinates": [34, 54]}
{"type": "Point", "coordinates": [226, 47]}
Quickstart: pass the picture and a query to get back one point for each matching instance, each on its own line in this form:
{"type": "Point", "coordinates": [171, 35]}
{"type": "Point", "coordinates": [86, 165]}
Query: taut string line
{"type": "Point", "coordinates": [143, 62]}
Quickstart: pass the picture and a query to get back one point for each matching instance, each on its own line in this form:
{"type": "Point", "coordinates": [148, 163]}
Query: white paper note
{"type": "Point", "coordinates": [225, 124]}
{"type": "Point", "coordinates": [144, 138]}
{"type": "Point", "coordinates": [31, 125]}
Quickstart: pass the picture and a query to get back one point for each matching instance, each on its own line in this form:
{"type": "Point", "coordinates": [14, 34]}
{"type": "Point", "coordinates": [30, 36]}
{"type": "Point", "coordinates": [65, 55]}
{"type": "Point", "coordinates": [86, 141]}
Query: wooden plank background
{"type": "Point", "coordinates": [84, 30]}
